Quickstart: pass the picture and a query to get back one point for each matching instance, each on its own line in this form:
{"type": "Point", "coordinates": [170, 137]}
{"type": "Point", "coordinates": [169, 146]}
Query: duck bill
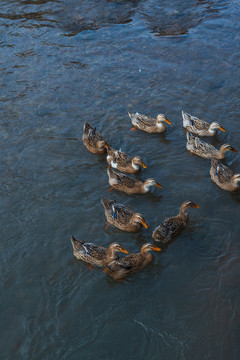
{"type": "Point", "coordinates": [234, 150]}
{"type": "Point", "coordinates": [195, 206]}
{"type": "Point", "coordinates": [143, 165]}
{"type": "Point", "coordinates": [222, 129]}
{"type": "Point", "coordinates": [124, 251]}
{"type": "Point", "coordinates": [145, 224]}
{"type": "Point", "coordinates": [157, 248]}
{"type": "Point", "coordinates": [168, 121]}
{"type": "Point", "coordinates": [158, 185]}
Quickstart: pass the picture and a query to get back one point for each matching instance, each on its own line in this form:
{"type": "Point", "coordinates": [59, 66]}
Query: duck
{"type": "Point", "coordinates": [93, 141]}
{"type": "Point", "coordinates": [223, 176]}
{"type": "Point", "coordinates": [172, 226]}
{"type": "Point", "coordinates": [123, 162]}
{"type": "Point", "coordinates": [205, 150]}
{"type": "Point", "coordinates": [94, 254]}
{"type": "Point", "coordinates": [128, 184]}
{"type": "Point", "coordinates": [122, 217]}
{"type": "Point", "coordinates": [200, 127]}
{"type": "Point", "coordinates": [130, 264]}
{"type": "Point", "coordinates": [149, 124]}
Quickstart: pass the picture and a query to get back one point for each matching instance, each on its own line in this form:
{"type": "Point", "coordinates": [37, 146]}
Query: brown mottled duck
{"type": "Point", "coordinates": [122, 217]}
{"type": "Point", "coordinates": [129, 185]}
{"type": "Point", "coordinates": [172, 226]}
{"type": "Point", "coordinates": [94, 254]}
{"type": "Point", "coordinates": [200, 127]}
{"type": "Point", "coordinates": [149, 124]}
{"type": "Point", "coordinates": [223, 176]}
{"type": "Point", "coordinates": [93, 141]}
{"type": "Point", "coordinates": [130, 264]}
{"type": "Point", "coordinates": [123, 162]}
{"type": "Point", "coordinates": [205, 150]}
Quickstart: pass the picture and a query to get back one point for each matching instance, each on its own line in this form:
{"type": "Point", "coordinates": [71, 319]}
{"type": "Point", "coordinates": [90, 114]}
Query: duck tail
{"type": "Point", "coordinates": [86, 127]}
{"type": "Point", "coordinates": [77, 244]}
{"type": "Point", "coordinates": [186, 119]}
{"type": "Point", "coordinates": [107, 203]}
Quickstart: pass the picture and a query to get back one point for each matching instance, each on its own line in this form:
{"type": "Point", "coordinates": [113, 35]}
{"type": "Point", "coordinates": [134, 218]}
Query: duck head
{"type": "Point", "coordinates": [215, 126]}
{"type": "Point", "coordinates": [138, 218]}
{"type": "Point", "coordinates": [116, 247]}
{"type": "Point", "coordinates": [150, 182]}
{"type": "Point", "coordinates": [137, 162]}
{"type": "Point", "coordinates": [149, 247]}
{"type": "Point", "coordinates": [162, 118]}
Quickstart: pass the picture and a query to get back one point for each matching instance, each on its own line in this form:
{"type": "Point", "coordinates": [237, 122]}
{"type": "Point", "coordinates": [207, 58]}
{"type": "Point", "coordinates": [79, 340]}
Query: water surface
{"type": "Point", "coordinates": [66, 62]}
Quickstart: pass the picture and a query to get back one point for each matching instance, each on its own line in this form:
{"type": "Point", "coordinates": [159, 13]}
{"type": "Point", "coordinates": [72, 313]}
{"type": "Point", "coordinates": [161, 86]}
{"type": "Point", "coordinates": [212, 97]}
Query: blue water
{"type": "Point", "coordinates": [66, 62]}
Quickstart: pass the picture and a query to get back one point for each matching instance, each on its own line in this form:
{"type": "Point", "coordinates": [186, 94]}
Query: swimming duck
{"type": "Point", "coordinates": [172, 226]}
{"type": "Point", "coordinates": [149, 124]}
{"type": "Point", "coordinates": [200, 127]}
{"type": "Point", "coordinates": [123, 162]}
{"type": "Point", "coordinates": [122, 217]}
{"type": "Point", "coordinates": [94, 254]}
{"type": "Point", "coordinates": [130, 264]}
{"type": "Point", "coordinates": [129, 184]}
{"type": "Point", "coordinates": [223, 176]}
{"type": "Point", "coordinates": [205, 150]}
{"type": "Point", "coordinates": [94, 142]}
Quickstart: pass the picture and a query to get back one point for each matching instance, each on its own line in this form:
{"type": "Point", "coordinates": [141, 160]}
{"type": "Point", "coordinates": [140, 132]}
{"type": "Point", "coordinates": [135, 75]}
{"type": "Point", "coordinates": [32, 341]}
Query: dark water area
{"type": "Point", "coordinates": [66, 62]}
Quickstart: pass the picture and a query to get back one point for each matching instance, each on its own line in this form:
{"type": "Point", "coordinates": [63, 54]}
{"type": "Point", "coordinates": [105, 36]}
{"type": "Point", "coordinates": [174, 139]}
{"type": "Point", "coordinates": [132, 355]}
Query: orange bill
{"type": "Point", "coordinates": [168, 122]}
{"type": "Point", "coordinates": [158, 185]}
{"type": "Point", "coordinates": [157, 248]}
{"type": "Point", "coordinates": [133, 128]}
{"type": "Point", "coordinates": [145, 224]}
{"type": "Point", "coordinates": [195, 206]}
{"type": "Point", "coordinates": [234, 150]}
{"type": "Point", "coordinates": [124, 251]}
{"type": "Point", "coordinates": [143, 165]}
{"type": "Point", "coordinates": [221, 128]}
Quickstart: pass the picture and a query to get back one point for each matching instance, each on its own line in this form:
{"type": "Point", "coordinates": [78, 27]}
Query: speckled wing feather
{"type": "Point", "coordinates": [169, 229]}
{"type": "Point", "coordinates": [199, 147]}
{"type": "Point", "coordinates": [201, 124]}
{"type": "Point", "coordinates": [123, 179]}
{"type": "Point", "coordinates": [90, 249]}
{"type": "Point", "coordinates": [123, 214]}
{"type": "Point", "coordinates": [98, 252]}
{"type": "Point", "coordinates": [117, 211]}
{"type": "Point", "coordinates": [205, 147]}
{"type": "Point", "coordinates": [94, 136]}
{"type": "Point", "coordinates": [128, 181]}
{"type": "Point", "coordinates": [190, 122]}
{"type": "Point", "coordinates": [129, 262]}
{"type": "Point", "coordinates": [222, 172]}
{"type": "Point", "coordinates": [121, 157]}
{"type": "Point", "coordinates": [146, 120]}
{"type": "Point", "coordinates": [94, 142]}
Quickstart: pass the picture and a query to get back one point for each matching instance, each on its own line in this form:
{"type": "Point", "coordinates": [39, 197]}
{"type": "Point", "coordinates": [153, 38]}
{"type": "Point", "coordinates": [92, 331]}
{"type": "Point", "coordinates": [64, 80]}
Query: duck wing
{"type": "Point", "coordinates": [121, 158]}
{"type": "Point", "coordinates": [199, 145]}
{"type": "Point", "coordinates": [122, 179]}
{"type": "Point", "coordinates": [121, 213]}
{"type": "Point", "coordinates": [193, 121]}
{"type": "Point", "coordinates": [201, 124]}
{"type": "Point", "coordinates": [117, 211]}
{"type": "Point", "coordinates": [128, 181]}
{"type": "Point", "coordinates": [168, 229]}
{"type": "Point", "coordinates": [90, 249]}
{"type": "Point", "coordinates": [146, 120]}
{"type": "Point", "coordinates": [223, 172]}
